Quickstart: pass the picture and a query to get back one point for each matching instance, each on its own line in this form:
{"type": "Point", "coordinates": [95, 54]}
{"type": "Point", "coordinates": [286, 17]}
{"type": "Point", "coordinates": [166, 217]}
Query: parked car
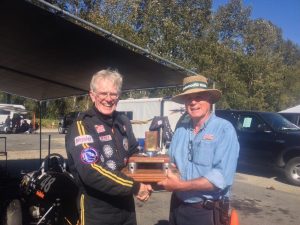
{"type": "Point", "coordinates": [25, 127]}
{"type": "Point", "coordinates": [66, 121]}
{"type": "Point", "coordinates": [267, 137]}
{"type": "Point", "coordinates": [293, 117]}
{"type": "Point", "coordinates": [5, 129]}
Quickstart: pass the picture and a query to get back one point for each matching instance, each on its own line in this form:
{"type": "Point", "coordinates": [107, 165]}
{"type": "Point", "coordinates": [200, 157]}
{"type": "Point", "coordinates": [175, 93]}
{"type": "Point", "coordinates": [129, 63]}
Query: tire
{"type": "Point", "coordinates": [13, 214]}
{"type": "Point", "coordinates": [292, 171]}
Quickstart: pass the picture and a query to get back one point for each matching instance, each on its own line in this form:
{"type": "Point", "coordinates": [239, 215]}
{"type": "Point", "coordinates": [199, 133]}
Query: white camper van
{"type": "Point", "coordinates": [142, 111]}
{"type": "Point", "coordinates": [11, 110]}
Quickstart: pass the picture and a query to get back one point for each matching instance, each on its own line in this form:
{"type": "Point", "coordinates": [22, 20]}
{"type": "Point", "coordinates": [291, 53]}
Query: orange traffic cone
{"type": "Point", "coordinates": [234, 219]}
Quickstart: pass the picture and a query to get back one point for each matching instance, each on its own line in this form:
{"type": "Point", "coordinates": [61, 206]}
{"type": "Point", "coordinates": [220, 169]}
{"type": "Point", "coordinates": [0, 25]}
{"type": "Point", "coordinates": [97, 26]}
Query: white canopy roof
{"type": "Point", "coordinates": [295, 109]}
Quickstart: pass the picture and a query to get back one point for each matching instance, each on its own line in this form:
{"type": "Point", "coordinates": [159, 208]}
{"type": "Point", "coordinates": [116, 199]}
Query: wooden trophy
{"type": "Point", "coordinates": [150, 166]}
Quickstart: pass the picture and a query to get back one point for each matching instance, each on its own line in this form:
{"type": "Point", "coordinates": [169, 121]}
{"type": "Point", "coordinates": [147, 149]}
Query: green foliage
{"type": "Point", "coordinates": [247, 59]}
{"type": "Point", "coordinates": [49, 123]}
{"type": "Point", "coordinates": [230, 23]}
{"type": "Point", "coordinates": [56, 108]}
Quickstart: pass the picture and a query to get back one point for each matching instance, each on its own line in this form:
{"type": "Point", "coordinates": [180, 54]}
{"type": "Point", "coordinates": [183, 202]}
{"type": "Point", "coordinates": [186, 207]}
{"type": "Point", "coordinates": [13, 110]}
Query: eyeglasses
{"type": "Point", "coordinates": [199, 97]}
{"type": "Point", "coordinates": [190, 153]}
{"type": "Point", "coordinates": [104, 95]}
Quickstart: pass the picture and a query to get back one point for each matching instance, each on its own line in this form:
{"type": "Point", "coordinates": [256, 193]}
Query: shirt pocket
{"type": "Point", "coordinates": [203, 152]}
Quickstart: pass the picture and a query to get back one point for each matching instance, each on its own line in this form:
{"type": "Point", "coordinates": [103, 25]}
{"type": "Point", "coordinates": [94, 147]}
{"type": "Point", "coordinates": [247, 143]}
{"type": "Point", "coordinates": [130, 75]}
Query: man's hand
{"type": "Point", "coordinates": [144, 192]}
{"type": "Point", "coordinates": [172, 182]}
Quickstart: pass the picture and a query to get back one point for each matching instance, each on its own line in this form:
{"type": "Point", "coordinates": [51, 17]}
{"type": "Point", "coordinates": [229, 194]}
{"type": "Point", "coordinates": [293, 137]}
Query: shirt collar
{"type": "Point", "coordinates": [211, 116]}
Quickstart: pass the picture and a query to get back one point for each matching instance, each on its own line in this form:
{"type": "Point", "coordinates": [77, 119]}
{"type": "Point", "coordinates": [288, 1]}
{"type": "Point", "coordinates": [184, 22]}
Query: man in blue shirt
{"type": "Point", "coordinates": [205, 150]}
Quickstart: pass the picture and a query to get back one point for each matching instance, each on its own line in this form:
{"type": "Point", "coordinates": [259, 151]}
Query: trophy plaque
{"type": "Point", "coordinates": [147, 169]}
{"type": "Point", "coordinates": [149, 166]}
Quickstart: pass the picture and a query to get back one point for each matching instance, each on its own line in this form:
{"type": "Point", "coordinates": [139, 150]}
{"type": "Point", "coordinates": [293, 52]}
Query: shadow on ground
{"type": "Point", "coordinates": [261, 169]}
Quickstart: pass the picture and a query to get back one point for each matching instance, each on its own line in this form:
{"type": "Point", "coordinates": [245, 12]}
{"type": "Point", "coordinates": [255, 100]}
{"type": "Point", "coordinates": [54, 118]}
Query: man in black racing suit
{"type": "Point", "coordinates": [98, 144]}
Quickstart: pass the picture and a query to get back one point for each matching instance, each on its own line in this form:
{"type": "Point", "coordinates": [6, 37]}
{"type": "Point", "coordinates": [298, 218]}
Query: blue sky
{"type": "Point", "coordinates": [283, 13]}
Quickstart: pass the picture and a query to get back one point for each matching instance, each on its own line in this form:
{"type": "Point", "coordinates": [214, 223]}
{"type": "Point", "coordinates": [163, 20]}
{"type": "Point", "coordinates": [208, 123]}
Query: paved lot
{"type": "Point", "coordinates": [260, 195]}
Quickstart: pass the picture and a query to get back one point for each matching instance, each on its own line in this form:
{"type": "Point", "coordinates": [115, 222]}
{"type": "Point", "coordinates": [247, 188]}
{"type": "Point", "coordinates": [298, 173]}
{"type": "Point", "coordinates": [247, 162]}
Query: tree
{"type": "Point", "coordinates": [248, 59]}
{"type": "Point", "coordinates": [230, 22]}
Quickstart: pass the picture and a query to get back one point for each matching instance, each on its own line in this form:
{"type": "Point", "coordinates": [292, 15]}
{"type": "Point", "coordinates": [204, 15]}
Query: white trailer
{"type": "Point", "coordinates": [142, 111]}
{"type": "Point", "coordinates": [11, 110]}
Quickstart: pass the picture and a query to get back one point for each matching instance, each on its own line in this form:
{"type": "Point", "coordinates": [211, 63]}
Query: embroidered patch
{"type": "Point", "coordinates": [83, 139]}
{"type": "Point", "coordinates": [125, 143]}
{"type": "Point", "coordinates": [99, 128]}
{"type": "Point", "coordinates": [111, 164]}
{"type": "Point", "coordinates": [108, 151]}
{"type": "Point", "coordinates": [105, 138]}
{"type": "Point", "coordinates": [89, 155]}
{"type": "Point", "coordinates": [102, 158]}
{"type": "Point", "coordinates": [208, 137]}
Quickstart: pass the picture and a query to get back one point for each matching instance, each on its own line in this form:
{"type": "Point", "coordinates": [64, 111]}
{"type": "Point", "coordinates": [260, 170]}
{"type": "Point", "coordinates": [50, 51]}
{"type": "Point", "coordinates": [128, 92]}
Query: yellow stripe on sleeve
{"type": "Point", "coordinates": [110, 175]}
{"type": "Point", "coordinates": [81, 132]}
{"type": "Point", "coordinates": [79, 127]}
{"type": "Point", "coordinates": [82, 209]}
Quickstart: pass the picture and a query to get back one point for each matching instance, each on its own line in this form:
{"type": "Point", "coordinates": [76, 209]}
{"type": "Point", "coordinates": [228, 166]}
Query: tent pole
{"type": "Point", "coordinates": [40, 108]}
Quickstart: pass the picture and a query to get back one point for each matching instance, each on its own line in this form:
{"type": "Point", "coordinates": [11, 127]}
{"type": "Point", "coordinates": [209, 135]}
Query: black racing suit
{"type": "Point", "coordinates": [98, 148]}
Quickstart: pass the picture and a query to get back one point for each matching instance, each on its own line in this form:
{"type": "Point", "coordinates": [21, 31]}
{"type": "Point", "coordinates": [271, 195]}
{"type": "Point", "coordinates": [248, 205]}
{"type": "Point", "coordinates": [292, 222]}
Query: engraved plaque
{"type": "Point", "coordinates": [147, 169]}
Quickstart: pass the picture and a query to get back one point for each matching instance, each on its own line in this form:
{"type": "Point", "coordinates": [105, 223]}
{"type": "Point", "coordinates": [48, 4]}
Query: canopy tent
{"type": "Point", "coordinates": [292, 114]}
{"type": "Point", "coordinates": [16, 108]}
{"type": "Point", "coordinates": [46, 53]}
{"type": "Point", "coordinates": [295, 109]}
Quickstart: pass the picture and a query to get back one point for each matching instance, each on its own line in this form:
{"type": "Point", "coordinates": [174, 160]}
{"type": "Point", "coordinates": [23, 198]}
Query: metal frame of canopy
{"type": "Point", "coordinates": [47, 53]}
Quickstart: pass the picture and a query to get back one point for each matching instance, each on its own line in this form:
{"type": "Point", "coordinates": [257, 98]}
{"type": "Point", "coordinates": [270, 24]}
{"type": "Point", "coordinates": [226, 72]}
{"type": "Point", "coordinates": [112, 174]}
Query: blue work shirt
{"type": "Point", "coordinates": [213, 154]}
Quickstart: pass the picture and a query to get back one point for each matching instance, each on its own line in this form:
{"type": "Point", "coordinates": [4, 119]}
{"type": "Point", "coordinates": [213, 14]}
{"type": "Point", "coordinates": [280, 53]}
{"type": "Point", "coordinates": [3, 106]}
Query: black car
{"type": "Point", "coordinates": [267, 137]}
{"type": "Point", "coordinates": [66, 121]}
{"type": "Point", "coordinates": [293, 117]}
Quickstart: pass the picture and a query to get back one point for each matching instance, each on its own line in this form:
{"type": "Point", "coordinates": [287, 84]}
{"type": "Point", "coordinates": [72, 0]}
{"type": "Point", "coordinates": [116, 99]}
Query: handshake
{"type": "Point", "coordinates": [144, 192]}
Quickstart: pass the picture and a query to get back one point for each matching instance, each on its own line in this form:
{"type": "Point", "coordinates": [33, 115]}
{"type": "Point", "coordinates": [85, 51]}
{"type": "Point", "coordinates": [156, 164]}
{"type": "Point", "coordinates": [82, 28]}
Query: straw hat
{"type": "Point", "coordinates": [196, 84]}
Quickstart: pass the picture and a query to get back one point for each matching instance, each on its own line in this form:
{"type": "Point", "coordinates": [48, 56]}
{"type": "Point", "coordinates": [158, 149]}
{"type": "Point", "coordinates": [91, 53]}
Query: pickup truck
{"type": "Point", "coordinates": [267, 137]}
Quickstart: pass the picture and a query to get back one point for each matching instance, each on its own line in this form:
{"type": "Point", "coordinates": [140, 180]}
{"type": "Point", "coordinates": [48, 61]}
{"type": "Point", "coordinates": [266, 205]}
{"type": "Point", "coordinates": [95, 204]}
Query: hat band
{"type": "Point", "coordinates": [193, 85]}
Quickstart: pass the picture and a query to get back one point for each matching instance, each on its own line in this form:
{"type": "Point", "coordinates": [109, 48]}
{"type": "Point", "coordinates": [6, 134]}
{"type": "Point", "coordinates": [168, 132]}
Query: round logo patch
{"type": "Point", "coordinates": [108, 151]}
{"type": "Point", "coordinates": [89, 155]}
{"type": "Point", "coordinates": [111, 164]}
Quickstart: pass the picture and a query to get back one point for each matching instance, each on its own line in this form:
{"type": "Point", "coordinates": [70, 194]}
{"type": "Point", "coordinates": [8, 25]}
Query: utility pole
{"type": "Point", "coordinates": [214, 87]}
{"type": "Point", "coordinates": [214, 105]}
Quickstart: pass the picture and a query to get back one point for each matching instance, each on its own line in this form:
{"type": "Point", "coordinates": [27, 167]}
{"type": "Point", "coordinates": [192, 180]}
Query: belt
{"type": "Point", "coordinates": [207, 204]}
{"type": "Point", "coordinates": [194, 204]}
